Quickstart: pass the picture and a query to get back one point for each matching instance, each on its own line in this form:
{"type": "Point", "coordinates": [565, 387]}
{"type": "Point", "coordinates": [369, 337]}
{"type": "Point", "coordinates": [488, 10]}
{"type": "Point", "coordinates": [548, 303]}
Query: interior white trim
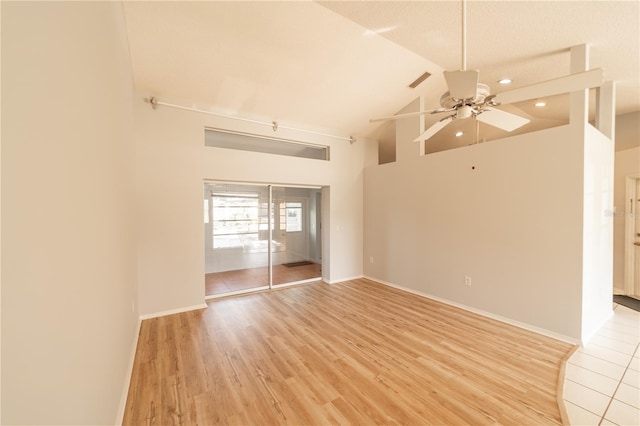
{"type": "Point", "coordinates": [127, 378]}
{"type": "Point", "coordinates": [173, 311]}
{"type": "Point", "coordinates": [505, 320]}
{"type": "Point", "coordinates": [629, 217]}
{"type": "Point", "coordinates": [341, 280]}
{"type": "Point", "coordinates": [237, 292]}
{"type": "Point", "coordinates": [294, 283]}
{"type": "Point", "coordinates": [617, 290]}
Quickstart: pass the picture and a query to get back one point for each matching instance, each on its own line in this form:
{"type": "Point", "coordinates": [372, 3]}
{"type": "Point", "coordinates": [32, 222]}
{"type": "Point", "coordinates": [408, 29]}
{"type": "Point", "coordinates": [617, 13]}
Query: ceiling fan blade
{"type": "Point", "coordinates": [569, 83]}
{"type": "Point", "coordinates": [408, 114]}
{"type": "Point", "coordinates": [462, 84]}
{"type": "Point", "coordinates": [501, 119]}
{"type": "Point", "coordinates": [435, 128]}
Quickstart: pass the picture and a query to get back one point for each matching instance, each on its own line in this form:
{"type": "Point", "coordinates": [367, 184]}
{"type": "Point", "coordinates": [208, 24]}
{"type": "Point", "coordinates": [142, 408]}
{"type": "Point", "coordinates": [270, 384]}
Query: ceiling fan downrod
{"type": "Point", "coordinates": [464, 35]}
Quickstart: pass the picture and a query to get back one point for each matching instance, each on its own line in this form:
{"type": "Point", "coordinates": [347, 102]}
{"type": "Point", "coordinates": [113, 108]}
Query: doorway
{"type": "Point", "coordinates": [632, 237]}
{"type": "Point", "coordinates": [260, 236]}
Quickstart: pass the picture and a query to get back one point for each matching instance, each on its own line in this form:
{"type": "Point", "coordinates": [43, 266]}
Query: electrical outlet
{"type": "Point", "coordinates": [370, 259]}
{"type": "Point", "coordinates": [467, 281]}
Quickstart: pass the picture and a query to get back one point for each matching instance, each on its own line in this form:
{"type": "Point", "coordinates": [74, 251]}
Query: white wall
{"type": "Point", "coordinates": [628, 131]}
{"type": "Point", "coordinates": [68, 258]}
{"type": "Point", "coordinates": [407, 129]}
{"type": "Point", "coordinates": [172, 163]}
{"type": "Point", "coordinates": [505, 213]}
{"type": "Point", "coordinates": [627, 163]}
{"type": "Point", "coordinates": [597, 243]}
{"type": "Point", "coordinates": [0, 223]}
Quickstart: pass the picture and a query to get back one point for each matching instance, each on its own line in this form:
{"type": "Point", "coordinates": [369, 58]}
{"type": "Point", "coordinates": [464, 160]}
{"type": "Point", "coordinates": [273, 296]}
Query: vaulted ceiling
{"type": "Point", "coordinates": [331, 66]}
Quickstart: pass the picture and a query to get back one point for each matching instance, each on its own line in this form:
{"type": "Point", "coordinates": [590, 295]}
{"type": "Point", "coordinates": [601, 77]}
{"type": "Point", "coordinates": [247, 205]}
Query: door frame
{"type": "Point", "coordinates": [631, 197]}
{"type": "Point", "coordinates": [322, 215]}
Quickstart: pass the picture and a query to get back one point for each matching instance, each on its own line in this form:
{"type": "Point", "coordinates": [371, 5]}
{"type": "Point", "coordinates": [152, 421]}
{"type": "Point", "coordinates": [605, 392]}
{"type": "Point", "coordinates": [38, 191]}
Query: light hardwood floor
{"type": "Point", "coordinates": [244, 279]}
{"type": "Point", "coordinates": [350, 353]}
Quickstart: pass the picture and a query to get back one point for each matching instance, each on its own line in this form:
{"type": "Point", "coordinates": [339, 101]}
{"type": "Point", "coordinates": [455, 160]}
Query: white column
{"type": "Point", "coordinates": [579, 105]}
{"type": "Point", "coordinates": [606, 109]}
{"type": "Point", "coordinates": [422, 126]}
{"type": "Point", "coordinates": [407, 130]}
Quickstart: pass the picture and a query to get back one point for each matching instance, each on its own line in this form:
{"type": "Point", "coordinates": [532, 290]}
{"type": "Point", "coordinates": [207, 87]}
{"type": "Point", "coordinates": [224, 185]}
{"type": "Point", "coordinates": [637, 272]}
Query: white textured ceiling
{"type": "Point", "coordinates": [327, 66]}
{"type": "Point", "coordinates": [294, 62]}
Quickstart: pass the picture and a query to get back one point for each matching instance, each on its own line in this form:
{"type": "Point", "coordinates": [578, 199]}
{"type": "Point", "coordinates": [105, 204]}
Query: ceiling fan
{"type": "Point", "coordinates": [467, 97]}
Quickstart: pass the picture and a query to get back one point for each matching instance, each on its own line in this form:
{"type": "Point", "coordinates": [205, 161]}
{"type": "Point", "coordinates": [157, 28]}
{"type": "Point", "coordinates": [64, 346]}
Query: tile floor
{"type": "Point", "coordinates": [602, 379]}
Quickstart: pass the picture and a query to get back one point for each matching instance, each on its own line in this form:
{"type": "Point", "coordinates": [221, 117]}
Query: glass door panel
{"type": "Point", "coordinates": [236, 227]}
{"type": "Point", "coordinates": [296, 247]}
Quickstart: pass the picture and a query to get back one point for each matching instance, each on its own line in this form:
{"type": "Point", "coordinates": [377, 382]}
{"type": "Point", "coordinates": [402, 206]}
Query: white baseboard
{"type": "Point", "coordinates": [341, 280]}
{"type": "Point", "coordinates": [618, 290]}
{"type": "Point", "coordinates": [505, 320]}
{"type": "Point", "coordinates": [586, 339]}
{"type": "Point", "coordinates": [173, 311]}
{"type": "Point", "coordinates": [127, 379]}
{"type": "Point", "coordinates": [134, 347]}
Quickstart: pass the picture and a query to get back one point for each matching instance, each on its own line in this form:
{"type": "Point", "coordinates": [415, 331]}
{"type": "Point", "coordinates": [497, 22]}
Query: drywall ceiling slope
{"type": "Point", "coordinates": [527, 41]}
{"type": "Point", "coordinates": [294, 62]}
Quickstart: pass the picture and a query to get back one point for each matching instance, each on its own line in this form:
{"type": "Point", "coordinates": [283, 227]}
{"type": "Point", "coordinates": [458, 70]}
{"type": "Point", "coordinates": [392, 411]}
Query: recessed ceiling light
{"type": "Point", "coordinates": [540, 103]}
{"type": "Point", "coordinates": [458, 134]}
{"type": "Point", "coordinates": [505, 81]}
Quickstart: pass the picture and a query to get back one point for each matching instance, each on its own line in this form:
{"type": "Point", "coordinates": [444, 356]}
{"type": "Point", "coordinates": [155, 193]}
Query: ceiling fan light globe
{"type": "Point", "coordinates": [465, 111]}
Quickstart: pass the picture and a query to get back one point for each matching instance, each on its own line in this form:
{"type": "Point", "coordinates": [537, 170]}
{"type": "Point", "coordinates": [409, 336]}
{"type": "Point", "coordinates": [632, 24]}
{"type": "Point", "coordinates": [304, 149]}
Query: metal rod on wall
{"type": "Point", "coordinates": [274, 124]}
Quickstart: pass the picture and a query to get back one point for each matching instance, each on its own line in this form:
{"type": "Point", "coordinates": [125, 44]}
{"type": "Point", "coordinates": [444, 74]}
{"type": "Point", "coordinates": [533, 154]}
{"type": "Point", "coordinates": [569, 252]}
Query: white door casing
{"type": "Point", "coordinates": [632, 236]}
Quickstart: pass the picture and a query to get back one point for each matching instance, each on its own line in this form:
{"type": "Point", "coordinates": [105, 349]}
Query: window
{"type": "Point", "coordinates": [237, 219]}
{"type": "Point", "coordinates": [294, 216]}
{"type": "Point", "coordinates": [257, 143]}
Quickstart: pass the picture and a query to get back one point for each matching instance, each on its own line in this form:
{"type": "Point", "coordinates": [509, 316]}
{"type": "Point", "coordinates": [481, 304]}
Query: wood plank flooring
{"type": "Point", "coordinates": [244, 279]}
{"type": "Point", "coordinates": [350, 353]}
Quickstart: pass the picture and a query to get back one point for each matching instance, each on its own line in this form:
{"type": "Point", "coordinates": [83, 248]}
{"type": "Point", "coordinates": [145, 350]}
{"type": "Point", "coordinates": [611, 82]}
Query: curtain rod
{"type": "Point", "coordinates": [274, 124]}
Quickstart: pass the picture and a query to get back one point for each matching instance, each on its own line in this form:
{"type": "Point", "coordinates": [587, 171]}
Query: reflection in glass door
{"type": "Point", "coordinates": [236, 223]}
{"type": "Point", "coordinates": [296, 235]}
{"type": "Point", "coordinates": [257, 236]}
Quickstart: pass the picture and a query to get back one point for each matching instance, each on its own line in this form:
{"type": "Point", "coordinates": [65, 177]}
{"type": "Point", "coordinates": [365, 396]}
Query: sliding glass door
{"type": "Point", "coordinates": [258, 236]}
{"type": "Point", "coordinates": [296, 234]}
{"type": "Point", "coordinates": [236, 223]}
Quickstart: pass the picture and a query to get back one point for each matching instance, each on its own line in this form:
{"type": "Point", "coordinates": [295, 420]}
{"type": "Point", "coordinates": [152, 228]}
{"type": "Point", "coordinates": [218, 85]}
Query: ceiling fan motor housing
{"type": "Point", "coordinates": [447, 101]}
